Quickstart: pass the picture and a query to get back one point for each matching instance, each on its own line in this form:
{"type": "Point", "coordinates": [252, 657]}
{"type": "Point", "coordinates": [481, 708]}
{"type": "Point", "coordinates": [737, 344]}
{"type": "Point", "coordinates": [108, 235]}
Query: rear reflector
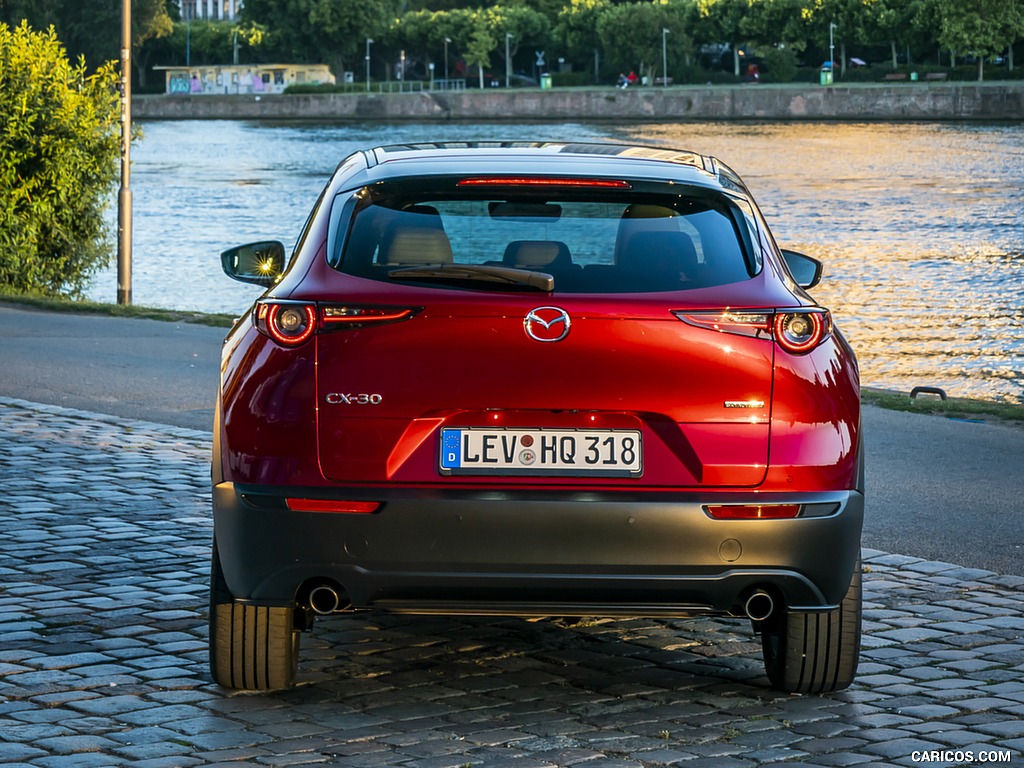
{"type": "Point", "coordinates": [526, 181]}
{"type": "Point", "coordinates": [332, 505]}
{"type": "Point", "coordinates": [753, 511]}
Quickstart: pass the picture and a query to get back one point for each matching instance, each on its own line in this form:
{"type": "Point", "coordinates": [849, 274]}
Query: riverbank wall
{"type": "Point", "coordinates": [887, 102]}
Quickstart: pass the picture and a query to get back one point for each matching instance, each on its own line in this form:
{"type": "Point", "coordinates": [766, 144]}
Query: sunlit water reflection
{"type": "Point", "coordinates": [921, 226]}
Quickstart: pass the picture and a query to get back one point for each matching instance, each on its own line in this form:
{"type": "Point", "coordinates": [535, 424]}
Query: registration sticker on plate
{"type": "Point", "coordinates": [566, 452]}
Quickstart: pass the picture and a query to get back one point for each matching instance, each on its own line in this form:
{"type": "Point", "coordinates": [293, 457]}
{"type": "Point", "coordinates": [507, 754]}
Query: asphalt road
{"type": "Point", "coordinates": [937, 488]}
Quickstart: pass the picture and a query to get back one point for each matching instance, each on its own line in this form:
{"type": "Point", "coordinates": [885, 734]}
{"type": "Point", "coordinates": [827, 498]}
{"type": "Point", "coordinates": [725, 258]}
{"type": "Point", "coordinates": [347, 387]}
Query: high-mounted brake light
{"type": "Point", "coordinates": [334, 506]}
{"type": "Point", "coordinates": [542, 181]}
{"type": "Point", "coordinates": [753, 511]}
{"type": "Point", "coordinates": [288, 323]}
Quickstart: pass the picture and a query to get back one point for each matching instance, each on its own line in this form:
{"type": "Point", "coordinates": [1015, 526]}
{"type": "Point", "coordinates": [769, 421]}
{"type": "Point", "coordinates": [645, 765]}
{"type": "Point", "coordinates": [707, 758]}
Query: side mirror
{"type": "Point", "coordinates": [259, 263]}
{"type": "Point", "coordinates": [805, 270]}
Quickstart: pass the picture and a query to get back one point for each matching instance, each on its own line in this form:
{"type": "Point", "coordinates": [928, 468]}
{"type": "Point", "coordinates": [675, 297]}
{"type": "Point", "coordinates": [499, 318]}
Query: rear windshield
{"type": "Point", "coordinates": [587, 245]}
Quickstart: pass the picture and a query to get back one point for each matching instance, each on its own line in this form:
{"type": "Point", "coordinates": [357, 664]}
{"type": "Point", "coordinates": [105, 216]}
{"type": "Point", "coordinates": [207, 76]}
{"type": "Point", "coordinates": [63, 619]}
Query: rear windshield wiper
{"type": "Point", "coordinates": [477, 273]}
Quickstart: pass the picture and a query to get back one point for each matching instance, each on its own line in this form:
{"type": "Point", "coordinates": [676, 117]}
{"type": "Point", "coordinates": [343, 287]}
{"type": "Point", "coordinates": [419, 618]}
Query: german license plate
{"type": "Point", "coordinates": [567, 452]}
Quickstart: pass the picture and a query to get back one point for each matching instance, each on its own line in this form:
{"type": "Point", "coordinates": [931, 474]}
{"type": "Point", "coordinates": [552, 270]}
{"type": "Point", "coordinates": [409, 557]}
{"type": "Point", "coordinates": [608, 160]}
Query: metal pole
{"type": "Point", "coordinates": [508, 62]}
{"type": "Point", "coordinates": [368, 41]}
{"type": "Point", "coordinates": [831, 49]}
{"type": "Point", "coordinates": [446, 41]}
{"type": "Point", "coordinates": [124, 194]}
{"type": "Point", "coordinates": [664, 57]}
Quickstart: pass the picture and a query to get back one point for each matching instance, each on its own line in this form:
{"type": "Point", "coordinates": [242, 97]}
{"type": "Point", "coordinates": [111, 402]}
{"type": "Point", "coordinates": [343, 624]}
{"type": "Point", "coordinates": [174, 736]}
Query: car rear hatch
{"type": "Point", "coordinates": [462, 392]}
{"type": "Point", "coordinates": [549, 331]}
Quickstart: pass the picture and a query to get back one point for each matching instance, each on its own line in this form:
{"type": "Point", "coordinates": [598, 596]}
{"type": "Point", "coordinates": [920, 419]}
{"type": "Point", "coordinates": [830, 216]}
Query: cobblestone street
{"type": "Point", "coordinates": [104, 563]}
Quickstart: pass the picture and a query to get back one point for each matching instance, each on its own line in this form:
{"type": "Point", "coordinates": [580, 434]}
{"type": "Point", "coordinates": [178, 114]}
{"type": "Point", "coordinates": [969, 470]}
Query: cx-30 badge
{"type": "Point", "coordinates": [547, 324]}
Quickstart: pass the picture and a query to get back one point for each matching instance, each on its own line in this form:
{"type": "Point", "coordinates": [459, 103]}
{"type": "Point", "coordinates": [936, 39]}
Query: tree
{"type": "Point", "coordinates": [576, 30]}
{"type": "Point", "coordinates": [983, 29]}
{"type": "Point", "coordinates": [479, 49]}
{"type": "Point", "coordinates": [330, 31]}
{"type": "Point", "coordinates": [59, 145]}
{"type": "Point", "coordinates": [525, 25]}
{"type": "Point", "coordinates": [631, 33]}
{"type": "Point", "coordinates": [721, 21]}
{"type": "Point", "coordinates": [92, 30]}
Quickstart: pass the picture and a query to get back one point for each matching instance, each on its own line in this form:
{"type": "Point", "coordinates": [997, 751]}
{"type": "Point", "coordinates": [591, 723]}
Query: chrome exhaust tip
{"type": "Point", "coordinates": [759, 605]}
{"type": "Point", "coordinates": [324, 599]}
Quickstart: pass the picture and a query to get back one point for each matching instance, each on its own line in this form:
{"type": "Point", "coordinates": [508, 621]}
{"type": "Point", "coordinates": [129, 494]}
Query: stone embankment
{"type": "Point", "coordinates": [898, 101]}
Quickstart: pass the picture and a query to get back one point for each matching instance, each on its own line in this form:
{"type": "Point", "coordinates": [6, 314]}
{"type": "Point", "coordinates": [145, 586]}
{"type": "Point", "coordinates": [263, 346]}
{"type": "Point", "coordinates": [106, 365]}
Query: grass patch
{"type": "Point", "coordinates": [52, 304]}
{"type": "Point", "coordinates": [953, 407]}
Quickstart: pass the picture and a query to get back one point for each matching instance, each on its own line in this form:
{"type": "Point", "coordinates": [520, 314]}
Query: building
{"type": "Point", "coordinates": [242, 78]}
{"type": "Point", "coordinates": [214, 10]}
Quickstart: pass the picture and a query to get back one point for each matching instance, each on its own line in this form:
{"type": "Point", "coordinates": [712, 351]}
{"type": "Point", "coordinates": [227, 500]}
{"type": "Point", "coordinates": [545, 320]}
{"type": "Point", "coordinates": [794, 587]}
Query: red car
{"type": "Point", "coordinates": [536, 379]}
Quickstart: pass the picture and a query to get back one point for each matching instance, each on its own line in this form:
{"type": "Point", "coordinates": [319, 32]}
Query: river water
{"type": "Point", "coordinates": [920, 226]}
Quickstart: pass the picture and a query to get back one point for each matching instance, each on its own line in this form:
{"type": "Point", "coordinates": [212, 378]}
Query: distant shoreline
{"type": "Point", "coordinates": [903, 101]}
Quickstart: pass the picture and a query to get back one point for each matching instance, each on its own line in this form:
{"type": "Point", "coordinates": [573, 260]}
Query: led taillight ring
{"type": "Point", "coordinates": [800, 332]}
{"type": "Point", "coordinates": [290, 324]}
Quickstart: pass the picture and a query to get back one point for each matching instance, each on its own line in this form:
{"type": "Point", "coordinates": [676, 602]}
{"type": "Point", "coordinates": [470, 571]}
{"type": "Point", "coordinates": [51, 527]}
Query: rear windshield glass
{"type": "Point", "coordinates": [587, 245]}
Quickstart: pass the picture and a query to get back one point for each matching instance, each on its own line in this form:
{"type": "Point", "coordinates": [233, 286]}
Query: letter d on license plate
{"type": "Point", "coordinates": [566, 452]}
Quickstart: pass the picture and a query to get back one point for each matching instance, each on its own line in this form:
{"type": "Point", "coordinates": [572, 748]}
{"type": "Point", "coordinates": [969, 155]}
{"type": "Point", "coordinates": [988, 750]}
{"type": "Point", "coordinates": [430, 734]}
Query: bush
{"type": "Point", "coordinates": [59, 147]}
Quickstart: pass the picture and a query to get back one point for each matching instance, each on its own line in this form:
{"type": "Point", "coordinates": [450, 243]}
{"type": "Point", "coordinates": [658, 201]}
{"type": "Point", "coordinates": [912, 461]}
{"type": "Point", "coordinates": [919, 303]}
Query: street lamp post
{"type": "Point", "coordinates": [369, 41]}
{"type": "Point", "coordinates": [664, 57]}
{"type": "Point", "coordinates": [124, 194]}
{"type": "Point", "coordinates": [831, 48]}
{"type": "Point", "coordinates": [508, 62]}
{"type": "Point", "coordinates": [446, 41]}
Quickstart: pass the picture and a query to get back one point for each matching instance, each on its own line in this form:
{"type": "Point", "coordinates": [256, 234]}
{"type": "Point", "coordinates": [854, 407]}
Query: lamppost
{"type": "Point", "coordinates": [446, 41]}
{"type": "Point", "coordinates": [508, 61]}
{"type": "Point", "coordinates": [369, 41]}
{"type": "Point", "coordinates": [124, 193]}
{"type": "Point", "coordinates": [664, 57]}
{"type": "Point", "coordinates": [831, 48]}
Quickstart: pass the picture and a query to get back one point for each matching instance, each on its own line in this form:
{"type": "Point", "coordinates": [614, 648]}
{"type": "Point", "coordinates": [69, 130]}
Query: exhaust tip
{"type": "Point", "coordinates": [325, 599]}
{"type": "Point", "coordinates": [759, 606]}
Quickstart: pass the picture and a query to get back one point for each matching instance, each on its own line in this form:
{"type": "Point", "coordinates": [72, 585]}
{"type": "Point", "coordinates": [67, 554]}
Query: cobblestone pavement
{"type": "Point", "coordinates": [103, 568]}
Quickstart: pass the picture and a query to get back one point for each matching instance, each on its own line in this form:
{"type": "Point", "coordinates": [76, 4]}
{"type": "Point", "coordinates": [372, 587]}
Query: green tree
{"type": "Point", "coordinates": [721, 21]}
{"type": "Point", "coordinates": [478, 50]}
{"type": "Point", "coordinates": [576, 31]}
{"type": "Point", "coordinates": [984, 28]}
{"type": "Point", "coordinates": [329, 31]}
{"type": "Point", "coordinates": [93, 29]}
{"type": "Point", "coordinates": [59, 146]}
{"type": "Point", "coordinates": [631, 33]}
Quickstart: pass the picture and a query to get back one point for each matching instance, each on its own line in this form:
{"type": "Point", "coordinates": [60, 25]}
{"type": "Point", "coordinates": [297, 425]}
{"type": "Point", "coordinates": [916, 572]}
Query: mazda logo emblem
{"type": "Point", "coordinates": [547, 324]}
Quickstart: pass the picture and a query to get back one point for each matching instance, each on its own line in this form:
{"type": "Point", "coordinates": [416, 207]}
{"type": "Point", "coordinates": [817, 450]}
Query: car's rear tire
{"type": "Point", "coordinates": [252, 647]}
{"type": "Point", "coordinates": [815, 652]}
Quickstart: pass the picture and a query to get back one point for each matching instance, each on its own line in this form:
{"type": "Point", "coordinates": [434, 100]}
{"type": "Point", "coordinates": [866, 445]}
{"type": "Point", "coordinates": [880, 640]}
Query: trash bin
{"type": "Point", "coordinates": [826, 75]}
{"type": "Point", "coordinates": [545, 82]}
{"type": "Point", "coordinates": [913, 76]}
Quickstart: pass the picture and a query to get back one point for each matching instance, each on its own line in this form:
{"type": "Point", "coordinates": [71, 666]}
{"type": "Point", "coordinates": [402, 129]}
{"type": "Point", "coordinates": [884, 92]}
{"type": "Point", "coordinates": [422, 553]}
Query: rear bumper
{"type": "Point", "coordinates": [550, 554]}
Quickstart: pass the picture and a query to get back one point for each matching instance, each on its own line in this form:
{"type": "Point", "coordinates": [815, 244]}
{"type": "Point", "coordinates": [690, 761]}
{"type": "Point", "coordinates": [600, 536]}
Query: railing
{"type": "Point", "coordinates": [456, 84]}
{"type": "Point", "coordinates": [400, 86]}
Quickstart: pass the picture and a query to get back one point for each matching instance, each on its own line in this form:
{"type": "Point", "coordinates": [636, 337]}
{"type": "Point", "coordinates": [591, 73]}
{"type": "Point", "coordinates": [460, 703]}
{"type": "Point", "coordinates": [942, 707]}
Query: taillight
{"type": "Point", "coordinates": [291, 323]}
{"type": "Point", "coordinates": [800, 332]}
{"type": "Point", "coordinates": [288, 323]}
{"type": "Point", "coordinates": [743, 322]}
{"type": "Point", "coordinates": [796, 331]}
{"type": "Point", "coordinates": [752, 511]}
{"type": "Point", "coordinates": [350, 316]}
